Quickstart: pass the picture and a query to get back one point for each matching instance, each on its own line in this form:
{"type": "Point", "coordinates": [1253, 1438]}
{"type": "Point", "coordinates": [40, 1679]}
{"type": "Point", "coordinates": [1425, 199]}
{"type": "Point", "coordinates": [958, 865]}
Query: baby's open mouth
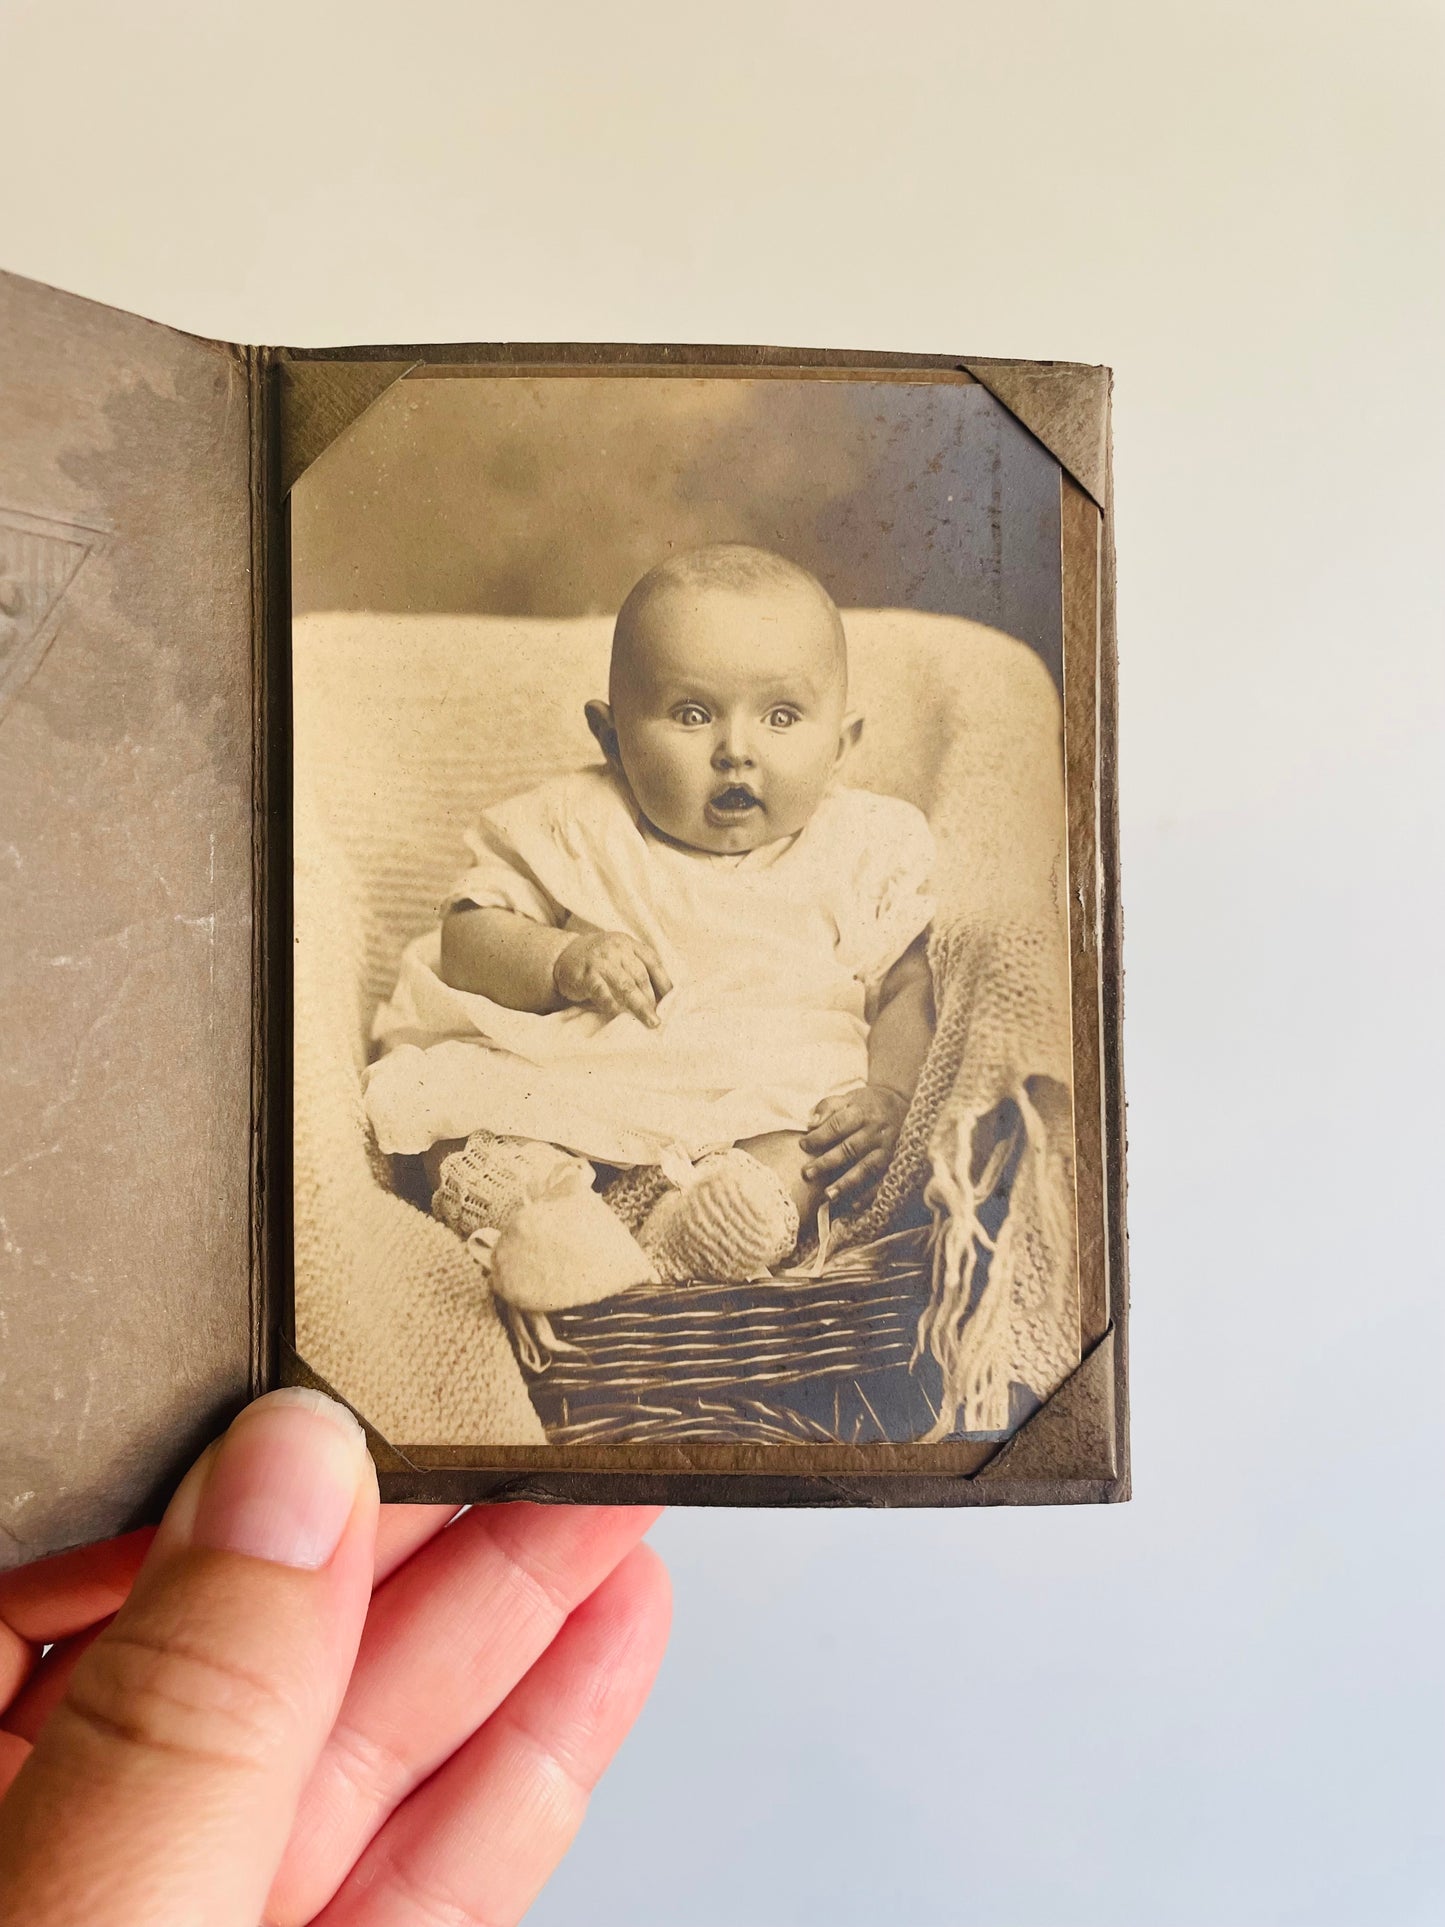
{"type": "Point", "coordinates": [733, 802]}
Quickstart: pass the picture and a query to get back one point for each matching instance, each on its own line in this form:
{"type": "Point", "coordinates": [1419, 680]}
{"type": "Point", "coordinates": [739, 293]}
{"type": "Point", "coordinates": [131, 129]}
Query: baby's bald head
{"type": "Point", "coordinates": [726, 697]}
{"type": "Point", "coordinates": [788, 598]}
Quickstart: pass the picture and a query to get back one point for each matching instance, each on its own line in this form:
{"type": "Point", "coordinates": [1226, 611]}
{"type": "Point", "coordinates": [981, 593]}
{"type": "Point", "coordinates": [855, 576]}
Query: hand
{"type": "Point", "coordinates": [610, 972]}
{"type": "Point", "coordinates": [851, 1140]}
{"type": "Point", "coordinates": [309, 1708]}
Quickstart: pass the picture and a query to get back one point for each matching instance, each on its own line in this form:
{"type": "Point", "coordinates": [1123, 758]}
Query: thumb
{"type": "Point", "coordinates": [162, 1789]}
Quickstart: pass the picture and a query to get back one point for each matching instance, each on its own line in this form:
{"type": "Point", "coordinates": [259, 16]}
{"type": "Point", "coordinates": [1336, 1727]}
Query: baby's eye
{"type": "Point", "coordinates": [691, 715]}
{"type": "Point", "coordinates": [782, 718]}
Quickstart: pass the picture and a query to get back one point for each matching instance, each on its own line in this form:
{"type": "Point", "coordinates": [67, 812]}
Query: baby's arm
{"type": "Point", "coordinates": [502, 955]}
{"type": "Point", "coordinates": [851, 1145]}
{"type": "Point", "coordinates": [534, 966]}
{"type": "Point", "coordinates": [903, 1027]}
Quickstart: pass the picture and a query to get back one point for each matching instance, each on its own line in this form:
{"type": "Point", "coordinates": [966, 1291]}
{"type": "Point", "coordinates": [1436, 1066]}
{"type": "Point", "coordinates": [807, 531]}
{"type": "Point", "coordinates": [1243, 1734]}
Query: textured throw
{"type": "Point", "coordinates": [406, 727]}
{"type": "Point", "coordinates": [992, 1120]}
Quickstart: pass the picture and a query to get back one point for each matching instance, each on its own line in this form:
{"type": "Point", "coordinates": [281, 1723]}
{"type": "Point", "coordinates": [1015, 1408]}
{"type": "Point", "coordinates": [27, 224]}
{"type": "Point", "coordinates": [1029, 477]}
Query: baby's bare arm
{"type": "Point", "coordinates": [532, 966]}
{"type": "Point", "coordinates": [851, 1142]}
{"type": "Point", "coordinates": [498, 954]}
{"type": "Point", "coordinates": [903, 1027]}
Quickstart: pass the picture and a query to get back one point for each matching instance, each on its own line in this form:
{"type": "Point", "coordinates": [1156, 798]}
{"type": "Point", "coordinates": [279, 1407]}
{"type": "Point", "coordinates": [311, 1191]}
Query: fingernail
{"type": "Point", "coordinates": [284, 1480]}
{"type": "Point", "coordinates": [810, 1171]}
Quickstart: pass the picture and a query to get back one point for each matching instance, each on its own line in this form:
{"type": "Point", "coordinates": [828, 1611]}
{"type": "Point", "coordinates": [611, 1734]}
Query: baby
{"type": "Point", "coordinates": [696, 975]}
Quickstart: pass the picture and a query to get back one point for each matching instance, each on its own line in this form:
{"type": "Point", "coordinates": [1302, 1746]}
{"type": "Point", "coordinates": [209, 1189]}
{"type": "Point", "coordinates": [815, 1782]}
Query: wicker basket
{"type": "Point", "coordinates": [825, 1359]}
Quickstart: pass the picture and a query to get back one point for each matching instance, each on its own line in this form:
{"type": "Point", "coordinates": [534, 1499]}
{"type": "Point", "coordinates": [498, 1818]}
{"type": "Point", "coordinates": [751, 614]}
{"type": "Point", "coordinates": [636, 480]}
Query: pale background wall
{"type": "Point", "coordinates": [1219, 1705]}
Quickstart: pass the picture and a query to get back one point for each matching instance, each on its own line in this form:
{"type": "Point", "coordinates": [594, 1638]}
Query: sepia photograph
{"type": "Point", "coordinates": [682, 1003]}
{"type": "Point", "coordinates": [720, 790]}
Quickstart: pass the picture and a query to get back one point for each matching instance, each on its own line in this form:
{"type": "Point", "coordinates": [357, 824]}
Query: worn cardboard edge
{"type": "Point", "coordinates": [504, 355]}
{"type": "Point", "coordinates": [1091, 1398]}
{"type": "Point", "coordinates": [1112, 984]}
{"type": "Point", "coordinates": [233, 349]}
{"type": "Point", "coordinates": [1080, 534]}
{"type": "Point", "coordinates": [1063, 404]}
{"type": "Point", "coordinates": [271, 879]}
{"type": "Point", "coordinates": [782, 1492]}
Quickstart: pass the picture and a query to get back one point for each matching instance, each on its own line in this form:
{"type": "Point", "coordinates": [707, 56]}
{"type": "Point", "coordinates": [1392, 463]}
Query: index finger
{"type": "Point", "coordinates": [661, 982]}
{"type": "Point", "coordinates": [447, 1640]}
{"type": "Point", "coordinates": [402, 1532]}
{"type": "Point", "coordinates": [634, 992]}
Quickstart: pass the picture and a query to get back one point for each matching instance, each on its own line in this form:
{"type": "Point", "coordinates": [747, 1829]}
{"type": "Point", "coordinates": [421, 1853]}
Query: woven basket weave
{"type": "Point", "coordinates": [780, 1359]}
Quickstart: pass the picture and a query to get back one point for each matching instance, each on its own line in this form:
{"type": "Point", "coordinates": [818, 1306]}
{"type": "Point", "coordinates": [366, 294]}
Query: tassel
{"type": "Point", "coordinates": [982, 1348]}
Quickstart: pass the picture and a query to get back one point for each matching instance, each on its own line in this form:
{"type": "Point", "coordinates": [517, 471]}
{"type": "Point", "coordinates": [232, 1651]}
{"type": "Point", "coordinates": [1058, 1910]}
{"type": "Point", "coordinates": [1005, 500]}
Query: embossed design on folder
{"type": "Point", "coordinates": [39, 559]}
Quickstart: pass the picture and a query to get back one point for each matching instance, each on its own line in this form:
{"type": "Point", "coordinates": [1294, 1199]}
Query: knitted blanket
{"type": "Point", "coordinates": [989, 1137]}
{"type": "Point", "coordinates": [406, 727]}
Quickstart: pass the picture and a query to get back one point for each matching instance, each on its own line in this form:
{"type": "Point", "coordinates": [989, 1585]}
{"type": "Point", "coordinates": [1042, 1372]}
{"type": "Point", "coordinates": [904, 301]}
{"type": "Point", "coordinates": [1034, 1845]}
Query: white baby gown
{"type": "Point", "coordinates": [772, 955]}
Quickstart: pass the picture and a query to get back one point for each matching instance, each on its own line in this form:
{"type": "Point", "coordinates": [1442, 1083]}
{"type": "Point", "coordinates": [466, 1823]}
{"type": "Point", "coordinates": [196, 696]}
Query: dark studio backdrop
{"type": "Point", "coordinates": [551, 496]}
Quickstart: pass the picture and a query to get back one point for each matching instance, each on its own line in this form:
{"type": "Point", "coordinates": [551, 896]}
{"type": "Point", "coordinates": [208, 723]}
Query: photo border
{"type": "Point", "coordinates": [1075, 1447]}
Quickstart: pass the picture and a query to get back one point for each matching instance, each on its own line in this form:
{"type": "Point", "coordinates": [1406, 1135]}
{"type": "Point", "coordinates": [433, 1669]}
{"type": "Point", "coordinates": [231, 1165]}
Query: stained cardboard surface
{"type": "Point", "coordinates": [126, 1317]}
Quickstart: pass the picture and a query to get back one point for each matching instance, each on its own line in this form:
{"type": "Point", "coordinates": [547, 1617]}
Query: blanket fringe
{"type": "Point", "coordinates": [1014, 1327]}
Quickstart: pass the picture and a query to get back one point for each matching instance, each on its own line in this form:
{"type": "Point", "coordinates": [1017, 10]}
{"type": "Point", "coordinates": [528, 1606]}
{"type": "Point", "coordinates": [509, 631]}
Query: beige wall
{"type": "Point", "coordinates": [1220, 1704]}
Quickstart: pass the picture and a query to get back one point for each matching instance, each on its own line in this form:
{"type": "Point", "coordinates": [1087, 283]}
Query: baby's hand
{"type": "Point", "coordinates": [610, 972]}
{"type": "Point", "coordinates": [851, 1143]}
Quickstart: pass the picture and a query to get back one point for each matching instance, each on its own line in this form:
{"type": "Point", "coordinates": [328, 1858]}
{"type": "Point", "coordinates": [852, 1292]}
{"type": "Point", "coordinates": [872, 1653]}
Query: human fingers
{"type": "Point", "coordinates": [46, 1686]}
{"type": "Point", "coordinates": [446, 1641]}
{"type": "Point", "coordinates": [830, 1129]}
{"type": "Point", "coordinates": [402, 1531]}
{"type": "Point", "coordinates": [656, 971]}
{"type": "Point", "coordinates": [598, 994]}
{"type": "Point", "coordinates": [612, 973]}
{"type": "Point", "coordinates": [44, 1603]}
{"type": "Point", "coordinates": [634, 990]}
{"type": "Point", "coordinates": [617, 990]}
{"type": "Point", "coordinates": [18, 1657]}
{"type": "Point", "coordinates": [172, 1766]}
{"type": "Point", "coordinates": [844, 1155]}
{"type": "Point", "coordinates": [14, 1752]}
{"type": "Point", "coordinates": [56, 1597]}
{"type": "Point", "coordinates": [477, 1842]}
{"type": "Point", "coordinates": [840, 1122]}
{"type": "Point", "coordinates": [859, 1177]}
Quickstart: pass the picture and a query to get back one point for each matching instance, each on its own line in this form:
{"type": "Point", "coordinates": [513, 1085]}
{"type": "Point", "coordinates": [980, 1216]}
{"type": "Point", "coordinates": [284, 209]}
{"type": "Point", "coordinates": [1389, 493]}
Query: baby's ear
{"type": "Point", "coordinates": [599, 721]}
{"type": "Point", "coordinates": [848, 734]}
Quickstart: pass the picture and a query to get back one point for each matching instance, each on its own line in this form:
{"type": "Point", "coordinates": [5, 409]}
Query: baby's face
{"type": "Point", "coordinates": [728, 713]}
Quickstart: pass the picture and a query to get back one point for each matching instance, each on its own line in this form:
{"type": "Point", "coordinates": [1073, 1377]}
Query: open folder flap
{"type": "Point", "coordinates": [127, 1326]}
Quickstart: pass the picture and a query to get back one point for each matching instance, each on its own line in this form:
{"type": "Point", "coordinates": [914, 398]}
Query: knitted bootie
{"type": "Point", "coordinates": [485, 1182]}
{"type": "Point", "coordinates": [633, 1193]}
{"type": "Point", "coordinates": [564, 1248]}
{"type": "Point", "coordinates": [734, 1221]}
